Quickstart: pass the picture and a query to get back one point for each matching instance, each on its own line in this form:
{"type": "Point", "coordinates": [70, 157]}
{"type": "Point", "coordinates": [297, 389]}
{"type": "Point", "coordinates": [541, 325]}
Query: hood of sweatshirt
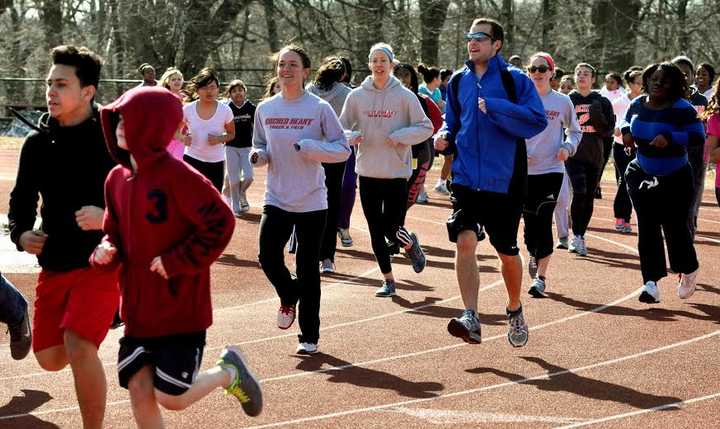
{"type": "Point", "coordinates": [391, 83]}
{"type": "Point", "coordinates": [337, 89]}
{"type": "Point", "coordinates": [151, 117]}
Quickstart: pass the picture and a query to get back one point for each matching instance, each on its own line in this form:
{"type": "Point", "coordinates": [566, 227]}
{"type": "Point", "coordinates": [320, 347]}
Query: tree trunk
{"type": "Point", "coordinates": [508, 23]}
{"type": "Point", "coordinates": [548, 24]}
{"type": "Point", "coordinates": [51, 18]}
{"type": "Point", "coordinates": [432, 20]}
{"type": "Point", "coordinates": [369, 28]}
{"type": "Point", "coordinates": [270, 22]}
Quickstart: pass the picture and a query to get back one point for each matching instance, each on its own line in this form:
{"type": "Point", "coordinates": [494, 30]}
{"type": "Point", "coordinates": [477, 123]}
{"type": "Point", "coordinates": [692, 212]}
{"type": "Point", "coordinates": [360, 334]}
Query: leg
{"type": "Point", "coordinates": [466, 268]}
{"type": "Point", "coordinates": [307, 226]}
{"type": "Point", "coordinates": [371, 200]}
{"type": "Point", "coordinates": [275, 229]}
{"type": "Point", "coordinates": [511, 268]}
{"type": "Point", "coordinates": [622, 206]}
{"type": "Point", "coordinates": [143, 401]}
{"type": "Point", "coordinates": [697, 162]}
{"type": "Point", "coordinates": [232, 160]}
{"type": "Point", "coordinates": [205, 383]}
{"type": "Point", "coordinates": [13, 305]}
{"type": "Point", "coordinates": [333, 182]}
{"type": "Point", "coordinates": [561, 209]}
{"type": "Point", "coordinates": [89, 377]}
{"type": "Point", "coordinates": [678, 236]}
{"type": "Point", "coordinates": [347, 199]}
{"type": "Point", "coordinates": [246, 169]}
{"type": "Point", "coordinates": [576, 173]}
{"type": "Point", "coordinates": [52, 358]}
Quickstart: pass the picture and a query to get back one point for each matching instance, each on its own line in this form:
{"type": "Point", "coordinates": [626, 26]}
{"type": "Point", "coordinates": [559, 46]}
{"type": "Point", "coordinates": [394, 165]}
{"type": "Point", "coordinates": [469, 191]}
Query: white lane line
{"type": "Point", "coordinates": [445, 417]}
{"type": "Point", "coordinates": [644, 411]}
{"type": "Point", "coordinates": [543, 376]}
{"type": "Point", "coordinates": [599, 206]}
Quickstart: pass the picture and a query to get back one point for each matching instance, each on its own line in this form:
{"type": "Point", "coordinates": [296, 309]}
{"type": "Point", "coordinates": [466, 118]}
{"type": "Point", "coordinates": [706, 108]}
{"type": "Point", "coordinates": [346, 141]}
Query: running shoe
{"type": "Point", "coordinates": [467, 327]}
{"type": "Point", "coordinates": [532, 267]}
{"type": "Point", "coordinates": [577, 245]}
{"type": "Point", "coordinates": [422, 198]}
{"type": "Point", "coordinates": [245, 387]}
{"type": "Point", "coordinates": [650, 294]}
{"type": "Point", "coordinates": [416, 254]}
{"type": "Point", "coordinates": [441, 188]}
{"type": "Point", "coordinates": [518, 332]}
{"type": "Point", "coordinates": [562, 243]}
{"type": "Point", "coordinates": [386, 290]}
{"type": "Point", "coordinates": [345, 238]}
{"type": "Point", "coordinates": [306, 349]}
{"type": "Point", "coordinates": [20, 338]}
{"type": "Point", "coordinates": [686, 285]}
{"type": "Point", "coordinates": [598, 193]}
{"type": "Point", "coordinates": [619, 224]}
{"type": "Point", "coordinates": [327, 266]}
{"type": "Point", "coordinates": [627, 228]}
{"type": "Point", "coordinates": [537, 288]}
{"type": "Point", "coordinates": [285, 316]}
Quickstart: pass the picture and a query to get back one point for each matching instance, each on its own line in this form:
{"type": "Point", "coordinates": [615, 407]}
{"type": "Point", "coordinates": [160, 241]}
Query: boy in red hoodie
{"type": "Point", "coordinates": [165, 224]}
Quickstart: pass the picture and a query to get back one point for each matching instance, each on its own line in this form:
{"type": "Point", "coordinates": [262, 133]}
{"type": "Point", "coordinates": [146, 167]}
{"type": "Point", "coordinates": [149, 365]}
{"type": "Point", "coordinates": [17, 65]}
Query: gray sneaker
{"type": "Point", "coordinates": [532, 267]}
{"type": "Point", "coordinates": [327, 266]}
{"type": "Point", "coordinates": [466, 327]}
{"type": "Point", "coordinates": [537, 288]}
{"type": "Point", "coordinates": [416, 255]}
{"type": "Point", "coordinates": [562, 243]}
{"type": "Point", "coordinates": [20, 338]}
{"type": "Point", "coordinates": [386, 290]}
{"type": "Point", "coordinates": [518, 333]}
{"type": "Point", "coordinates": [245, 387]}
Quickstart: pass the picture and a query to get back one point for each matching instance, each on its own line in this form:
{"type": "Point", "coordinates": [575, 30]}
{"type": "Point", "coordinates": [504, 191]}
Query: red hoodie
{"type": "Point", "coordinates": [163, 208]}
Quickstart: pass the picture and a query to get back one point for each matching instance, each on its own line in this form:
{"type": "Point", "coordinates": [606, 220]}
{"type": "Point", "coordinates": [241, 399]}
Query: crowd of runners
{"type": "Point", "coordinates": [140, 197]}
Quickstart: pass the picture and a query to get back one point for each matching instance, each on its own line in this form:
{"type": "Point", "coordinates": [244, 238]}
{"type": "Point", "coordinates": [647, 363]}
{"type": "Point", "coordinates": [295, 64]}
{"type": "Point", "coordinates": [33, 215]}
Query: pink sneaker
{"type": "Point", "coordinates": [619, 224]}
{"type": "Point", "coordinates": [686, 285]}
{"type": "Point", "coordinates": [285, 316]}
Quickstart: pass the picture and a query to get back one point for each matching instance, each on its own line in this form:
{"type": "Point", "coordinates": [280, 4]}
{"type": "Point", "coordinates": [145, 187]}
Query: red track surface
{"type": "Point", "coordinates": [596, 355]}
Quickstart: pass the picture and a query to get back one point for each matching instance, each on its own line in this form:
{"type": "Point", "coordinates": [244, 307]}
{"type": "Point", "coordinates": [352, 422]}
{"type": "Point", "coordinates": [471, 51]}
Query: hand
{"type": "Point", "coordinates": [481, 105]}
{"type": "Point", "coordinates": [104, 253]}
{"type": "Point", "coordinates": [390, 142]}
{"type": "Point", "coordinates": [441, 142]}
{"type": "Point", "coordinates": [563, 154]}
{"type": "Point", "coordinates": [186, 139]}
{"type": "Point", "coordinates": [156, 266]}
{"type": "Point", "coordinates": [357, 140]}
{"type": "Point", "coordinates": [33, 241]}
{"type": "Point", "coordinates": [215, 140]}
{"type": "Point", "coordinates": [659, 142]}
{"type": "Point", "coordinates": [254, 157]}
{"type": "Point", "coordinates": [90, 218]}
{"type": "Point", "coordinates": [628, 141]}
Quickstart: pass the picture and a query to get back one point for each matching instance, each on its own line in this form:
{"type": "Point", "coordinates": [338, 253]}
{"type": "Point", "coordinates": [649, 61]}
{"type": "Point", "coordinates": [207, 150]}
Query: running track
{"type": "Point", "coordinates": [596, 357]}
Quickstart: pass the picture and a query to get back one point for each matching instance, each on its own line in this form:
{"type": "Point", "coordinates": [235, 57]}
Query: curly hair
{"type": "Point", "coordinates": [679, 86]}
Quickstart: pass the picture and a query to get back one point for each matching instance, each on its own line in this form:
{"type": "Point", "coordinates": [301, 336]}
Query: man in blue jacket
{"type": "Point", "coordinates": [491, 109]}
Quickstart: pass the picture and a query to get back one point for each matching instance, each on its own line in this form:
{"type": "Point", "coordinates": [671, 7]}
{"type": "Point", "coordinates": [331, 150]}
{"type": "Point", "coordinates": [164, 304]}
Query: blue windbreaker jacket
{"type": "Point", "coordinates": [486, 143]}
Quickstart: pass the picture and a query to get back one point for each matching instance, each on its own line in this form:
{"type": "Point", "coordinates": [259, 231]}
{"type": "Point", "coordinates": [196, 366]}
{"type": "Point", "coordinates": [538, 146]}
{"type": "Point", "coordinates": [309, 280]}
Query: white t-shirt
{"type": "Point", "coordinates": [201, 128]}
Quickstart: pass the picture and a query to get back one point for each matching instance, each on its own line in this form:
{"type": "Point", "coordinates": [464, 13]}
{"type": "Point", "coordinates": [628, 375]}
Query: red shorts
{"type": "Point", "coordinates": [82, 300]}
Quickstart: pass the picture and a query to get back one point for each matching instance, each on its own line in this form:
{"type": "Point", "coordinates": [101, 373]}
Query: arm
{"type": "Point", "coordinates": [524, 119]}
{"type": "Point", "coordinates": [573, 135]}
{"type": "Point", "coordinates": [714, 148]}
{"type": "Point", "coordinates": [420, 127]}
{"type": "Point", "coordinates": [201, 205]}
{"type": "Point", "coordinates": [24, 196]}
{"type": "Point", "coordinates": [451, 124]}
{"type": "Point", "coordinates": [259, 155]}
{"type": "Point", "coordinates": [335, 148]}
{"type": "Point", "coordinates": [435, 115]}
{"type": "Point", "coordinates": [106, 255]}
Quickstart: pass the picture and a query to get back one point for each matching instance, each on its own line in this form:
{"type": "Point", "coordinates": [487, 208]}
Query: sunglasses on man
{"type": "Point", "coordinates": [478, 36]}
{"type": "Point", "coordinates": [539, 69]}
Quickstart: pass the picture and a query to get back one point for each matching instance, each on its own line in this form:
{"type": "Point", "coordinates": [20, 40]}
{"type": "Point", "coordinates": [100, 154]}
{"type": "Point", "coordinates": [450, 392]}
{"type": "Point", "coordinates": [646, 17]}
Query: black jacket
{"type": "Point", "coordinates": [66, 166]}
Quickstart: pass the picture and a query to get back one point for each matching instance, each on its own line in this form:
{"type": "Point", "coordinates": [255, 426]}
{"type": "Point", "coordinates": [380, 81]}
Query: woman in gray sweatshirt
{"type": "Point", "coordinates": [385, 119]}
{"type": "Point", "coordinates": [294, 133]}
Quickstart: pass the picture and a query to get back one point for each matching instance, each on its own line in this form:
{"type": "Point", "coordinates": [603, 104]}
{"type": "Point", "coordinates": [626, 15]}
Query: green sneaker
{"type": "Point", "coordinates": [245, 387]}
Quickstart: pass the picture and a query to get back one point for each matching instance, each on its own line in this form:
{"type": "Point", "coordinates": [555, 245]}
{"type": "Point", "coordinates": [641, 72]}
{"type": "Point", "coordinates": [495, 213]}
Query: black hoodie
{"type": "Point", "coordinates": [66, 166]}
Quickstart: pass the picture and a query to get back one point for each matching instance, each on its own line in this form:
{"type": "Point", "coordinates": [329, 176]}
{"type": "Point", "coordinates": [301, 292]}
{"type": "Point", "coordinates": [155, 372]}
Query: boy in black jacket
{"type": "Point", "coordinates": [65, 161]}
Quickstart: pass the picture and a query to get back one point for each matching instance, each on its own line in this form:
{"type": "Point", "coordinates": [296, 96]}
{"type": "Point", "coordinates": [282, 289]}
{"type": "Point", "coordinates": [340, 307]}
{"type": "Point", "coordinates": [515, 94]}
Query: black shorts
{"type": "Point", "coordinates": [499, 214]}
{"type": "Point", "coordinates": [175, 360]}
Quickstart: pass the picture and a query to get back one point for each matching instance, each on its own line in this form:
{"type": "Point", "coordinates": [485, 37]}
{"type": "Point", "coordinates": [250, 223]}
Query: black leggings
{"type": "Point", "coordinates": [543, 190]}
{"type": "Point", "coordinates": [383, 202]}
{"type": "Point", "coordinates": [584, 177]}
{"type": "Point", "coordinates": [663, 205]}
{"type": "Point", "coordinates": [333, 182]}
{"type": "Point", "coordinates": [276, 225]}
{"type": "Point", "coordinates": [214, 171]}
{"type": "Point", "coordinates": [622, 206]}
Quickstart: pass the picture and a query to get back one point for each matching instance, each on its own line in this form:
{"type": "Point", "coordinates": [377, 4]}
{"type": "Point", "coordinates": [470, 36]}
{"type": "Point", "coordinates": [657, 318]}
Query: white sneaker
{"type": "Point", "coordinates": [422, 198]}
{"type": "Point", "coordinates": [686, 285]}
{"type": "Point", "coordinates": [440, 188]}
{"type": "Point", "coordinates": [577, 245]}
{"type": "Point", "coordinates": [306, 348]}
{"type": "Point", "coordinates": [650, 294]}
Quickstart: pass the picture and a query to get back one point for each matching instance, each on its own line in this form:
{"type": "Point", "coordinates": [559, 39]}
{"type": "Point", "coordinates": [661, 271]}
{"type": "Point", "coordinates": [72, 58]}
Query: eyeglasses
{"type": "Point", "coordinates": [539, 69]}
{"type": "Point", "coordinates": [478, 36]}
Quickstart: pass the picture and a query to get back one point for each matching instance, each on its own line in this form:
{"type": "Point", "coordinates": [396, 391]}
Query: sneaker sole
{"type": "Point", "coordinates": [647, 298]}
{"type": "Point", "coordinates": [457, 329]}
{"type": "Point", "coordinates": [385, 295]}
{"type": "Point", "coordinates": [306, 352]}
{"type": "Point", "coordinates": [346, 243]}
{"type": "Point", "coordinates": [521, 343]}
{"type": "Point", "coordinates": [535, 293]}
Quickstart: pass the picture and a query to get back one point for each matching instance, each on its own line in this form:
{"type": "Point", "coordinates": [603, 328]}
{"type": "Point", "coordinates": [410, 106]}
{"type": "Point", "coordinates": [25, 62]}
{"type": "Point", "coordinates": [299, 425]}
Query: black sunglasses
{"type": "Point", "coordinates": [541, 69]}
{"type": "Point", "coordinates": [478, 36]}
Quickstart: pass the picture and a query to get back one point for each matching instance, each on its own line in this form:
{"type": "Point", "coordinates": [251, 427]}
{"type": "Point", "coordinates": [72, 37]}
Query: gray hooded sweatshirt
{"type": "Point", "coordinates": [377, 114]}
{"type": "Point", "coordinates": [335, 96]}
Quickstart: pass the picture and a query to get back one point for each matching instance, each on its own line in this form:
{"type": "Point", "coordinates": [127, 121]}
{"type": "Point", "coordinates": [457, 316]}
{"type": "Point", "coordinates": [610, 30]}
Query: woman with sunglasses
{"type": "Point", "coordinates": [662, 125]}
{"type": "Point", "coordinates": [546, 153]}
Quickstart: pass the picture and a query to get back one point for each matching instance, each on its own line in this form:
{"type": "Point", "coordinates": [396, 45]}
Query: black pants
{"type": "Point", "coordinates": [663, 204]}
{"type": "Point", "coordinates": [542, 194]}
{"type": "Point", "coordinates": [276, 225]}
{"type": "Point", "coordinates": [622, 206]}
{"type": "Point", "coordinates": [697, 162]}
{"type": "Point", "coordinates": [333, 182]}
{"type": "Point", "coordinates": [383, 202]}
{"type": "Point", "coordinates": [214, 171]}
{"type": "Point", "coordinates": [584, 177]}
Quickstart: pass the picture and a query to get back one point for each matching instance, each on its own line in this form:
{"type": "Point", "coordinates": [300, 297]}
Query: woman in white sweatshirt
{"type": "Point", "coordinates": [295, 131]}
{"type": "Point", "coordinates": [385, 119]}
